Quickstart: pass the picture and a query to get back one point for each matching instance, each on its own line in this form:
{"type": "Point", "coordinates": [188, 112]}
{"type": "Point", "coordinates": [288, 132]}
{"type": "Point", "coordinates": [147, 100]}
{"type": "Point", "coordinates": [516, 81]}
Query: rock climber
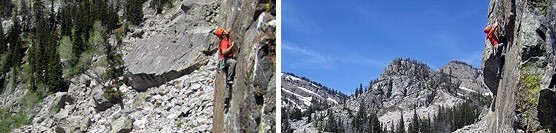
{"type": "Point", "coordinates": [226, 54]}
{"type": "Point", "coordinates": [490, 31]}
{"type": "Point", "coordinates": [497, 43]}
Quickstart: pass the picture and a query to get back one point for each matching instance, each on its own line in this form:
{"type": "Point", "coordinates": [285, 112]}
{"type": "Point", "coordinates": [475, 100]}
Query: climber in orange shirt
{"type": "Point", "coordinates": [497, 44]}
{"type": "Point", "coordinates": [226, 54]}
{"type": "Point", "coordinates": [491, 36]}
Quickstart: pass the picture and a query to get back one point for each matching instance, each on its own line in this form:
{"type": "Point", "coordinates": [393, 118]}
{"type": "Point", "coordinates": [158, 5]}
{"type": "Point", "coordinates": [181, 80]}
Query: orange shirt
{"type": "Point", "coordinates": [225, 44]}
{"type": "Point", "coordinates": [491, 37]}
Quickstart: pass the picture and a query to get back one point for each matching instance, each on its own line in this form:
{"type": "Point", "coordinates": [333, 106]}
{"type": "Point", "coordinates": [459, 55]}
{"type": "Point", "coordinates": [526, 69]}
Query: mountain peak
{"type": "Point", "coordinates": [406, 67]}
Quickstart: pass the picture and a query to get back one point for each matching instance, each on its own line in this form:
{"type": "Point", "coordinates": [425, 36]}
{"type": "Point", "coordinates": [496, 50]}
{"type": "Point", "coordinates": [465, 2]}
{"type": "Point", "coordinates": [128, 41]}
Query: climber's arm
{"type": "Point", "coordinates": [227, 50]}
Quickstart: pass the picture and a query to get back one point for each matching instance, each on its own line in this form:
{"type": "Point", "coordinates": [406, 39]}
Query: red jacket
{"type": "Point", "coordinates": [490, 36]}
{"type": "Point", "coordinates": [225, 44]}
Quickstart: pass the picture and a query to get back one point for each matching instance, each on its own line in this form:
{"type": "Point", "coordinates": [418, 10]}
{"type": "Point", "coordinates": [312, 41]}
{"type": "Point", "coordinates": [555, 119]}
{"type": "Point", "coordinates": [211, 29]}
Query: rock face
{"type": "Point", "coordinates": [170, 45]}
{"type": "Point", "coordinates": [252, 105]}
{"type": "Point", "coordinates": [301, 93]}
{"type": "Point", "coordinates": [525, 89]}
{"type": "Point", "coordinates": [469, 79]}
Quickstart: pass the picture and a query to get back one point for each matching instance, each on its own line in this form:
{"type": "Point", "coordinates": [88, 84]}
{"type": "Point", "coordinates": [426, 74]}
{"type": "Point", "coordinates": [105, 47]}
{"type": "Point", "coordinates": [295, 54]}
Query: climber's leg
{"type": "Point", "coordinates": [501, 65]}
{"type": "Point", "coordinates": [231, 63]}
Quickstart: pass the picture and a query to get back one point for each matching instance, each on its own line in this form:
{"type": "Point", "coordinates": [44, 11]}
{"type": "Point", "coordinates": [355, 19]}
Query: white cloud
{"type": "Point", "coordinates": [304, 57]}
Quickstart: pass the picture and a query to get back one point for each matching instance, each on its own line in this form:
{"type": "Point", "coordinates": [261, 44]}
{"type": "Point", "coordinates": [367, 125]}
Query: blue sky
{"type": "Point", "coordinates": [341, 44]}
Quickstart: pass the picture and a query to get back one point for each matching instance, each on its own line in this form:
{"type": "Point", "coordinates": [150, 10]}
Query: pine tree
{"type": "Point", "coordinates": [66, 20]}
{"type": "Point", "coordinates": [135, 11]}
{"type": "Point", "coordinates": [2, 40]}
{"type": "Point", "coordinates": [414, 126]}
{"type": "Point", "coordinates": [15, 44]}
{"type": "Point", "coordinates": [25, 15]}
{"type": "Point", "coordinates": [361, 87]}
{"type": "Point", "coordinates": [401, 126]}
{"type": "Point", "coordinates": [340, 127]}
{"type": "Point", "coordinates": [360, 118]}
{"type": "Point", "coordinates": [331, 123]}
{"type": "Point", "coordinates": [374, 124]}
{"type": "Point", "coordinates": [112, 18]}
{"type": "Point", "coordinates": [285, 122]}
{"type": "Point", "coordinates": [392, 127]}
{"type": "Point", "coordinates": [40, 56]}
{"type": "Point", "coordinates": [54, 73]}
{"type": "Point", "coordinates": [6, 7]}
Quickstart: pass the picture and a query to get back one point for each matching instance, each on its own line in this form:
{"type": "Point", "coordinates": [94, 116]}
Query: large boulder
{"type": "Point", "coordinates": [122, 125]}
{"type": "Point", "coordinates": [169, 45]}
{"type": "Point", "coordinates": [101, 102]}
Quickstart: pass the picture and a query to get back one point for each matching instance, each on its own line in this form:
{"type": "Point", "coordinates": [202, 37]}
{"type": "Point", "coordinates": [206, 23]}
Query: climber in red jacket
{"type": "Point", "coordinates": [226, 54]}
{"type": "Point", "coordinates": [497, 43]}
{"type": "Point", "coordinates": [491, 36]}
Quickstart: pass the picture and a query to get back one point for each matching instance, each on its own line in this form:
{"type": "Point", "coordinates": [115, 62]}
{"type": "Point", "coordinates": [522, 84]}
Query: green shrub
{"type": "Point", "coordinates": [64, 48]}
{"type": "Point", "coordinates": [267, 7]}
{"type": "Point", "coordinates": [32, 98]}
{"type": "Point", "coordinates": [82, 65]}
{"type": "Point", "coordinates": [113, 95]}
{"type": "Point", "coordinates": [180, 123]}
{"type": "Point", "coordinates": [531, 83]}
{"type": "Point", "coordinates": [11, 121]}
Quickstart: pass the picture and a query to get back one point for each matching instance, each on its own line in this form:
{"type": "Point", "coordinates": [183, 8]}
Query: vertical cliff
{"type": "Point", "coordinates": [252, 105]}
{"type": "Point", "coordinates": [524, 93]}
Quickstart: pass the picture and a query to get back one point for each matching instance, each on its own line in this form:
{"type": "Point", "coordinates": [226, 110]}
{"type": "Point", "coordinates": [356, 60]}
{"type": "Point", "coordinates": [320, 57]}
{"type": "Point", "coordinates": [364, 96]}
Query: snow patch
{"type": "Point", "coordinates": [467, 89]}
{"type": "Point", "coordinates": [306, 100]}
{"type": "Point", "coordinates": [309, 91]}
{"type": "Point", "coordinates": [332, 100]}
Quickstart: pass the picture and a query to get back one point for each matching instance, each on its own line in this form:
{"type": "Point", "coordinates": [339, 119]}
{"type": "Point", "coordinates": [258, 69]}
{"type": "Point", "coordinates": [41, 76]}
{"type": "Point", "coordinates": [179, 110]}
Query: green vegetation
{"type": "Point", "coordinates": [6, 7]}
{"type": "Point", "coordinates": [528, 83]}
{"type": "Point", "coordinates": [135, 11]}
{"type": "Point", "coordinates": [445, 120]}
{"type": "Point", "coordinates": [38, 44]}
{"type": "Point", "coordinates": [286, 128]}
{"type": "Point", "coordinates": [542, 5]}
{"type": "Point", "coordinates": [32, 98]}
{"type": "Point", "coordinates": [267, 7]}
{"type": "Point", "coordinates": [9, 121]}
{"type": "Point", "coordinates": [114, 96]}
{"type": "Point", "coordinates": [531, 83]}
{"type": "Point", "coordinates": [180, 122]}
{"type": "Point", "coordinates": [84, 61]}
{"type": "Point", "coordinates": [64, 48]}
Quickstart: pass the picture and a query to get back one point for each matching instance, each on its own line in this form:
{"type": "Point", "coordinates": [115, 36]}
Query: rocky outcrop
{"type": "Point", "coordinates": [523, 90]}
{"type": "Point", "coordinates": [182, 104]}
{"type": "Point", "coordinates": [468, 78]}
{"type": "Point", "coordinates": [171, 44]}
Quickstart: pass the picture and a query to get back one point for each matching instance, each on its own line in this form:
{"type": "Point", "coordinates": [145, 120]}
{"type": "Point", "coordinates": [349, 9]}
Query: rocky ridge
{"type": "Point", "coordinates": [299, 93]}
{"type": "Point", "coordinates": [407, 85]}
